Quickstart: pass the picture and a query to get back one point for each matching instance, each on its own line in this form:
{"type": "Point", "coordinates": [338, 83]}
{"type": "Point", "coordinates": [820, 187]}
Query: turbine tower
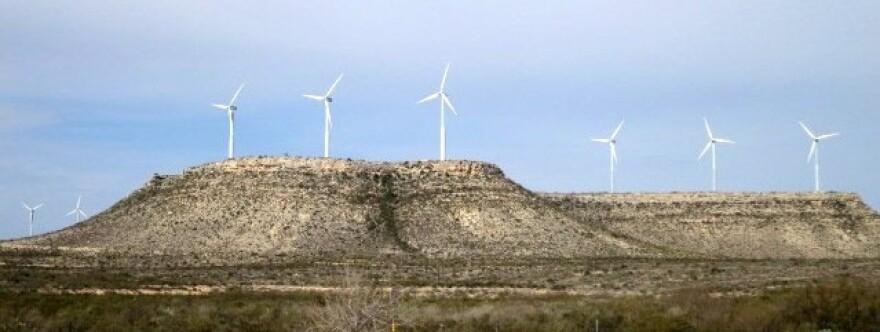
{"type": "Point", "coordinates": [31, 211]}
{"type": "Point", "coordinates": [612, 143]}
{"type": "Point", "coordinates": [444, 101]}
{"type": "Point", "coordinates": [77, 211]}
{"type": "Point", "coordinates": [230, 110]}
{"type": "Point", "coordinates": [814, 149]}
{"type": "Point", "coordinates": [328, 119]}
{"type": "Point", "coordinates": [711, 144]}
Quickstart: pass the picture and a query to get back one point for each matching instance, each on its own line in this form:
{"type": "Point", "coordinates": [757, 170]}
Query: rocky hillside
{"type": "Point", "coordinates": [338, 208]}
{"type": "Point", "coordinates": [772, 225]}
{"type": "Point", "coordinates": [329, 208]}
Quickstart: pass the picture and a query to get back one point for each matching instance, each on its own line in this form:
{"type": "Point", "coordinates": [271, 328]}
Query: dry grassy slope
{"type": "Point", "coordinates": [311, 207]}
{"type": "Point", "coordinates": [772, 225]}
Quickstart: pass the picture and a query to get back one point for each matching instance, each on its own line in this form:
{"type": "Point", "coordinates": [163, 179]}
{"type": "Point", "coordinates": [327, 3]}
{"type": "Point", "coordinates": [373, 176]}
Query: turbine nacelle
{"type": "Point", "coordinates": [444, 103]}
{"type": "Point", "coordinates": [230, 109]}
{"type": "Point", "coordinates": [78, 210]}
{"type": "Point", "coordinates": [32, 209]}
{"type": "Point", "coordinates": [326, 99]}
{"type": "Point", "coordinates": [814, 150]}
{"type": "Point", "coordinates": [815, 140]}
{"type": "Point", "coordinates": [612, 147]}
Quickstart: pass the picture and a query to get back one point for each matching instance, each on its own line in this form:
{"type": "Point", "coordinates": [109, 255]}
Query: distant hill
{"type": "Point", "coordinates": [331, 208]}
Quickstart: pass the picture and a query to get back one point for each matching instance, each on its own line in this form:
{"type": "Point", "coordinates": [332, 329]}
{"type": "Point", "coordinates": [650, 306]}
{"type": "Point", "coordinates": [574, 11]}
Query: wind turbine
{"type": "Point", "coordinates": [444, 101]}
{"type": "Point", "coordinates": [711, 144]}
{"type": "Point", "coordinates": [328, 119]}
{"type": "Point", "coordinates": [814, 149]}
{"type": "Point", "coordinates": [31, 211]}
{"type": "Point", "coordinates": [230, 109]}
{"type": "Point", "coordinates": [77, 211]}
{"type": "Point", "coordinates": [612, 143]}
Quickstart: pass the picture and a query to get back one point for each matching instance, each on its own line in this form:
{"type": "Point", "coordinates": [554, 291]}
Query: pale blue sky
{"type": "Point", "coordinates": [95, 96]}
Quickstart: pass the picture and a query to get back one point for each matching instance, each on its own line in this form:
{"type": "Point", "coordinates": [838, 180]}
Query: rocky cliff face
{"type": "Point", "coordinates": [327, 208]}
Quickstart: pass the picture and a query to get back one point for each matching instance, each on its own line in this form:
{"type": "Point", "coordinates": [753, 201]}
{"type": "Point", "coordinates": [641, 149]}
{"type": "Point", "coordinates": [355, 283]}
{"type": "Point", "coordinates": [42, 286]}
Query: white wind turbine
{"type": "Point", "coordinates": [711, 144]}
{"type": "Point", "coordinates": [77, 211]}
{"type": "Point", "coordinates": [230, 109]}
{"type": "Point", "coordinates": [444, 101]}
{"type": "Point", "coordinates": [31, 211]}
{"type": "Point", "coordinates": [814, 149]}
{"type": "Point", "coordinates": [328, 118]}
{"type": "Point", "coordinates": [612, 144]}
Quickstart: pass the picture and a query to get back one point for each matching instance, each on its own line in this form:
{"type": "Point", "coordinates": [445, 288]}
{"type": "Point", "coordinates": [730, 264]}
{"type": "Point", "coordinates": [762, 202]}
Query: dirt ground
{"type": "Point", "coordinates": [47, 272]}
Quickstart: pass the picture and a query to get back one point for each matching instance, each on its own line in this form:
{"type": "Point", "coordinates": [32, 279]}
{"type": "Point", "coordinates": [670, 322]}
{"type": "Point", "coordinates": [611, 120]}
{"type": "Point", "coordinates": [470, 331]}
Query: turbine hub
{"type": "Point", "coordinates": [329, 100]}
{"type": "Point", "coordinates": [233, 108]}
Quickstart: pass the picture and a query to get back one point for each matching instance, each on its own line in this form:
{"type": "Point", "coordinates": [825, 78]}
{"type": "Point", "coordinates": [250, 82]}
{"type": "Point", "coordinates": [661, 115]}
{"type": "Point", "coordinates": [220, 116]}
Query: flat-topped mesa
{"type": "Point", "coordinates": [308, 207]}
{"type": "Point", "coordinates": [724, 203]}
{"type": "Point", "coordinates": [348, 166]}
{"type": "Point", "coordinates": [742, 225]}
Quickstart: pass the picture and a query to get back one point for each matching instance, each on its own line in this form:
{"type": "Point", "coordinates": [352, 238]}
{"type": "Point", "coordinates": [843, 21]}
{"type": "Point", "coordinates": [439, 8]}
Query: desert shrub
{"type": "Point", "coordinates": [843, 305]}
{"type": "Point", "coordinates": [356, 307]}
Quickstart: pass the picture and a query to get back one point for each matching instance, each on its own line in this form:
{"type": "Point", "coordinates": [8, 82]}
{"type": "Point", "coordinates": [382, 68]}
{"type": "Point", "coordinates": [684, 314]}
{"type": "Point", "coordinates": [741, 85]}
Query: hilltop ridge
{"type": "Point", "coordinates": [335, 209]}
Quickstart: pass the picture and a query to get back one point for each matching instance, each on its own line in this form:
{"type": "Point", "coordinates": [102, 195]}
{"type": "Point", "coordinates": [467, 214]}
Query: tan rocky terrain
{"type": "Point", "coordinates": [753, 225]}
{"type": "Point", "coordinates": [337, 208]}
{"type": "Point", "coordinates": [459, 227]}
{"type": "Point", "coordinates": [292, 208]}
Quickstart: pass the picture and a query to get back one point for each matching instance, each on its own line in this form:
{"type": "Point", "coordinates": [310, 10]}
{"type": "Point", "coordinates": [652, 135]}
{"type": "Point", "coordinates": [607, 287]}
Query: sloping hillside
{"type": "Point", "coordinates": [337, 208]}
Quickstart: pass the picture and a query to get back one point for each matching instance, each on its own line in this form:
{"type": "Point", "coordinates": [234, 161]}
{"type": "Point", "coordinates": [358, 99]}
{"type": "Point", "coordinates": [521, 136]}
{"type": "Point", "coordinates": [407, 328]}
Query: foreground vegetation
{"type": "Point", "coordinates": [837, 305]}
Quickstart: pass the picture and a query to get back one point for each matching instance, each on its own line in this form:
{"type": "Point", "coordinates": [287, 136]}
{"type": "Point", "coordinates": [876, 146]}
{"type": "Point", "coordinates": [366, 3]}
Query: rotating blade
{"type": "Point", "coordinates": [813, 148]}
{"type": "Point", "coordinates": [235, 96]}
{"type": "Point", "coordinates": [706, 149]}
{"type": "Point", "coordinates": [807, 130]}
{"type": "Point", "coordinates": [431, 97]}
{"type": "Point", "coordinates": [449, 103]}
{"type": "Point", "coordinates": [616, 130]}
{"type": "Point", "coordinates": [333, 87]}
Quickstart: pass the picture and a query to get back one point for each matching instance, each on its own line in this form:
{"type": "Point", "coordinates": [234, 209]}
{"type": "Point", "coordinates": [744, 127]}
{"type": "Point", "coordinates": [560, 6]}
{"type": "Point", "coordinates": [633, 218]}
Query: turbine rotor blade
{"type": "Point", "coordinates": [448, 103]}
{"type": "Point", "coordinates": [38, 206]}
{"type": "Point", "coordinates": [220, 106]}
{"type": "Point", "coordinates": [443, 82]}
{"type": "Point", "coordinates": [724, 140]}
{"type": "Point", "coordinates": [613, 152]}
{"type": "Point", "coordinates": [328, 114]}
{"type": "Point", "coordinates": [821, 137]}
{"type": "Point", "coordinates": [813, 148]}
{"type": "Point", "coordinates": [333, 87]}
{"type": "Point", "coordinates": [807, 130]}
{"type": "Point", "coordinates": [601, 140]}
{"type": "Point", "coordinates": [235, 96]}
{"type": "Point", "coordinates": [614, 134]}
{"type": "Point", "coordinates": [431, 97]}
{"type": "Point", "coordinates": [708, 129]}
{"type": "Point", "coordinates": [706, 149]}
{"type": "Point", "coordinates": [25, 206]}
{"type": "Point", "coordinates": [71, 212]}
{"type": "Point", "coordinates": [314, 97]}
{"type": "Point", "coordinates": [83, 214]}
